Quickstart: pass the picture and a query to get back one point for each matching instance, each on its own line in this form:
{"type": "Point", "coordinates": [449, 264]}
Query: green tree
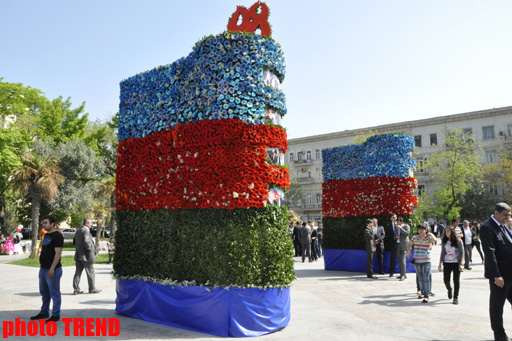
{"type": "Point", "coordinates": [40, 177]}
{"type": "Point", "coordinates": [454, 170]}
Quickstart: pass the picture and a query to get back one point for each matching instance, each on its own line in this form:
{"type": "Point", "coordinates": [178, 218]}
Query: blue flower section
{"type": "Point", "coordinates": [379, 156]}
{"type": "Point", "coordinates": [221, 78]}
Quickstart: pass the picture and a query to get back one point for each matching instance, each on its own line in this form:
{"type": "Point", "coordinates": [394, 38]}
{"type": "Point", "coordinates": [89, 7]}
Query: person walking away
{"type": "Point", "coordinates": [305, 241]}
{"type": "Point", "coordinates": [422, 246]}
{"type": "Point", "coordinates": [497, 247]}
{"type": "Point", "coordinates": [370, 246]}
{"type": "Point", "coordinates": [402, 240]}
{"type": "Point", "coordinates": [451, 261]}
{"type": "Point", "coordinates": [391, 231]}
{"type": "Point", "coordinates": [476, 240]}
{"type": "Point", "coordinates": [84, 258]}
{"type": "Point", "coordinates": [467, 237]}
{"type": "Point", "coordinates": [380, 234]}
{"type": "Point", "coordinates": [50, 272]}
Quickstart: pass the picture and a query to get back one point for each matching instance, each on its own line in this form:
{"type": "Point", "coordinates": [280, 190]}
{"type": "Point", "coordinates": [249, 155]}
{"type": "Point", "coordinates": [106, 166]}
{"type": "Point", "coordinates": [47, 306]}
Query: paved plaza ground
{"type": "Point", "coordinates": [325, 305]}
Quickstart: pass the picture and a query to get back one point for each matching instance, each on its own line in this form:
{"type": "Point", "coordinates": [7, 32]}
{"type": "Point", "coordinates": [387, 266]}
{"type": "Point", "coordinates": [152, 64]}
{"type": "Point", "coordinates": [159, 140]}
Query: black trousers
{"type": "Point", "coordinates": [448, 269]}
{"type": "Point", "coordinates": [496, 302]}
{"type": "Point", "coordinates": [380, 258]}
{"type": "Point", "coordinates": [369, 263]}
{"type": "Point", "coordinates": [392, 262]}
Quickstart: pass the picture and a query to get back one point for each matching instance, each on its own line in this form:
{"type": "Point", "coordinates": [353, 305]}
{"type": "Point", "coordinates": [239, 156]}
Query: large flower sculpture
{"type": "Point", "coordinates": [200, 178]}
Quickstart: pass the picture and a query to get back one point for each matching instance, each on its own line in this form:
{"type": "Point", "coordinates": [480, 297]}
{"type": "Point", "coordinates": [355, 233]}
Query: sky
{"type": "Point", "coordinates": [350, 64]}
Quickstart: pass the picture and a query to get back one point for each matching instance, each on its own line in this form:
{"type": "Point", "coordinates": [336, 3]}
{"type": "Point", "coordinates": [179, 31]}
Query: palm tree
{"type": "Point", "coordinates": [40, 177]}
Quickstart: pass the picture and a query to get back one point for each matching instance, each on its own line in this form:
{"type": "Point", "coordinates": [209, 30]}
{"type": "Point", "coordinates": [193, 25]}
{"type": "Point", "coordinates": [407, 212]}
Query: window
{"type": "Point", "coordinates": [291, 157]}
{"type": "Point", "coordinates": [433, 139]}
{"type": "Point", "coordinates": [317, 152]}
{"type": "Point", "coordinates": [421, 190]}
{"type": "Point", "coordinates": [420, 164]}
{"type": "Point", "coordinates": [308, 155]}
{"type": "Point", "coordinates": [417, 141]}
{"type": "Point", "coordinates": [488, 132]}
{"type": "Point", "coordinates": [467, 131]}
{"type": "Point", "coordinates": [491, 156]}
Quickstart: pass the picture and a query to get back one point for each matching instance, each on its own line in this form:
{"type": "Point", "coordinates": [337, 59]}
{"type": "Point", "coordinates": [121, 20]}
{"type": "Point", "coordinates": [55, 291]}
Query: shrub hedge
{"type": "Point", "coordinates": [243, 247]}
{"type": "Point", "coordinates": [348, 233]}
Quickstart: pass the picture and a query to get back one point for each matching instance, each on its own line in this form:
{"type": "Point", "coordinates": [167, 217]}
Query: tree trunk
{"type": "Point", "coordinates": [36, 203]}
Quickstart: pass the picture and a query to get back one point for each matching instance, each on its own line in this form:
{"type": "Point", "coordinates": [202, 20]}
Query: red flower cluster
{"type": "Point", "coordinates": [210, 163]}
{"type": "Point", "coordinates": [370, 196]}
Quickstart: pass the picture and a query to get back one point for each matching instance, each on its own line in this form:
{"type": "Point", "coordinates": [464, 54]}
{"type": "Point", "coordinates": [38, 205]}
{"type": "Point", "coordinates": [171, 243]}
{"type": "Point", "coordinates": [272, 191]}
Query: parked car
{"type": "Point", "coordinates": [106, 232]}
{"type": "Point", "coordinates": [26, 232]}
{"type": "Point", "coordinates": [69, 233]}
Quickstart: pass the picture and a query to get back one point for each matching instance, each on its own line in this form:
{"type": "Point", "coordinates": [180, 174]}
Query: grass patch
{"type": "Point", "coordinates": [64, 260]}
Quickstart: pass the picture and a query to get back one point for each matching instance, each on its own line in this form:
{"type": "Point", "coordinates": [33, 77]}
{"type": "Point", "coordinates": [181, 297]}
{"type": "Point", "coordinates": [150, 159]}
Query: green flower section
{"type": "Point", "coordinates": [244, 247]}
{"type": "Point", "coordinates": [348, 233]}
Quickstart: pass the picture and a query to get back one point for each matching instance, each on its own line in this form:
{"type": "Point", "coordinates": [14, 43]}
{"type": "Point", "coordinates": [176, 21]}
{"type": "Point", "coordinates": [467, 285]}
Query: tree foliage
{"type": "Point", "coordinates": [454, 170]}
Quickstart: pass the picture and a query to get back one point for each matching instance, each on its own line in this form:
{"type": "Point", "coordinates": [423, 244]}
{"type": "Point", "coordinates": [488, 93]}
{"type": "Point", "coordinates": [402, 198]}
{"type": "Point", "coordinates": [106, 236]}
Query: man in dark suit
{"type": "Point", "coordinates": [391, 228]}
{"type": "Point", "coordinates": [497, 245]}
{"type": "Point", "coordinates": [84, 257]}
{"type": "Point", "coordinates": [369, 237]}
{"type": "Point", "coordinates": [379, 240]}
{"type": "Point", "coordinates": [402, 240]}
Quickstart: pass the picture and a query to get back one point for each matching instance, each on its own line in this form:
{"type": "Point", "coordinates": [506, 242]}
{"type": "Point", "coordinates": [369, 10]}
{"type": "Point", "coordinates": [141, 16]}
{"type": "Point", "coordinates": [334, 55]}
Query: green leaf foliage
{"type": "Point", "coordinates": [240, 247]}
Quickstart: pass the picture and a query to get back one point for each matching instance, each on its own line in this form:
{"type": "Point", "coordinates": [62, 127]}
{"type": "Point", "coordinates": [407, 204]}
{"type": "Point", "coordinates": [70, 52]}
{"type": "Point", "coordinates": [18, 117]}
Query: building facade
{"type": "Point", "coordinates": [491, 128]}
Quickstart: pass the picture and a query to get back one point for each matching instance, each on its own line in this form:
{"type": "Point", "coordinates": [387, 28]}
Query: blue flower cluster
{"type": "Point", "coordinates": [379, 156]}
{"type": "Point", "coordinates": [221, 78]}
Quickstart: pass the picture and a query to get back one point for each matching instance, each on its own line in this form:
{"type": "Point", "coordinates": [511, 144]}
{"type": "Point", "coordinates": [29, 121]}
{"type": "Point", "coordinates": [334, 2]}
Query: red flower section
{"type": "Point", "coordinates": [370, 196]}
{"type": "Point", "coordinates": [210, 163]}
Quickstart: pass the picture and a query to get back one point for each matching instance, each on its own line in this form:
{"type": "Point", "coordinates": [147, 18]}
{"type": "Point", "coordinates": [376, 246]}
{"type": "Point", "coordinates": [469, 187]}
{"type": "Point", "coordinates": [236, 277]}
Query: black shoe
{"type": "Point", "coordinates": [455, 301]}
{"type": "Point", "coordinates": [95, 291]}
{"type": "Point", "coordinates": [450, 294]}
{"type": "Point", "coordinates": [53, 319]}
{"type": "Point", "coordinates": [39, 317]}
{"type": "Point", "coordinates": [76, 292]}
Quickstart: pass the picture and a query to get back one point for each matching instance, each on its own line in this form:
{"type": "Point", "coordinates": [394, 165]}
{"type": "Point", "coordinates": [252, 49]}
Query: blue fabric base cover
{"type": "Point", "coordinates": [235, 312]}
{"type": "Point", "coordinates": [355, 260]}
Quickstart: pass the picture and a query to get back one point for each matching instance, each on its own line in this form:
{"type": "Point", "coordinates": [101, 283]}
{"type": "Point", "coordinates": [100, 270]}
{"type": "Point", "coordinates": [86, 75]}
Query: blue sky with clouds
{"type": "Point", "coordinates": [350, 64]}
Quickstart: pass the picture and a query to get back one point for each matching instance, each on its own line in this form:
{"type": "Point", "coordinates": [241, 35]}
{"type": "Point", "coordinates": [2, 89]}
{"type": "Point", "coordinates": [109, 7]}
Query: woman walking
{"type": "Point", "coordinates": [422, 244]}
{"type": "Point", "coordinates": [452, 259]}
{"type": "Point", "coordinates": [476, 240]}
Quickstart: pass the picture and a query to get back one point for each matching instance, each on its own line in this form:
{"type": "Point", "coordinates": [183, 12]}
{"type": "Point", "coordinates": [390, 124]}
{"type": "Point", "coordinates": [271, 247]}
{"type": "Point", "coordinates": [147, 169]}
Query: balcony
{"type": "Point", "coordinates": [306, 180]}
{"type": "Point", "coordinates": [302, 162]}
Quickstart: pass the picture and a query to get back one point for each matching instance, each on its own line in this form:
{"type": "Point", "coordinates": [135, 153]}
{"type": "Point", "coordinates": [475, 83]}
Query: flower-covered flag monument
{"type": "Point", "coordinates": [203, 242]}
{"type": "Point", "coordinates": [362, 181]}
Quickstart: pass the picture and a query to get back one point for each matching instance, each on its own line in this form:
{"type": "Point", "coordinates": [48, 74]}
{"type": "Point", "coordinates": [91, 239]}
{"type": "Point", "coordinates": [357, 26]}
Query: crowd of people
{"type": "Point", "coordinates": [307, 240]}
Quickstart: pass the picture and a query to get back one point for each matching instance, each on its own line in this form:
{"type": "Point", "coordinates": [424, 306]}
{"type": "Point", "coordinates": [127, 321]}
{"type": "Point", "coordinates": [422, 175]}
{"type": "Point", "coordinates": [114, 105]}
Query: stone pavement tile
{"type": "Point", "coordinates": [325, 305]}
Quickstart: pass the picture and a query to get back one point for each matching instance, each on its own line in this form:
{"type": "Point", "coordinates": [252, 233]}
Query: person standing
{"type": "Point", "coordinates": [379, 241]}
{"type": "Point", "coordinates": [84, 258]}
{"type": "Point", "coordinates": [305, 241]}
{"type": "Point", "coordinates": [497, 246]}
{"type": "Point", "coordinates": [467, 237]}
{"type": "Point", "coordinates": [370, 246]}
{"type": "Point", "coordinates": [319, 231]}
{"type": "Point", "coordinates": [451, 260]}
{"type": "Point", "coordinates": [391, 231]}
{"type": "Point", "coordinates": [50, 272]}
{"type": "Point", "coordinates": [402, 240]}
{"type": "Point", "coordinates": [422, 245]}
